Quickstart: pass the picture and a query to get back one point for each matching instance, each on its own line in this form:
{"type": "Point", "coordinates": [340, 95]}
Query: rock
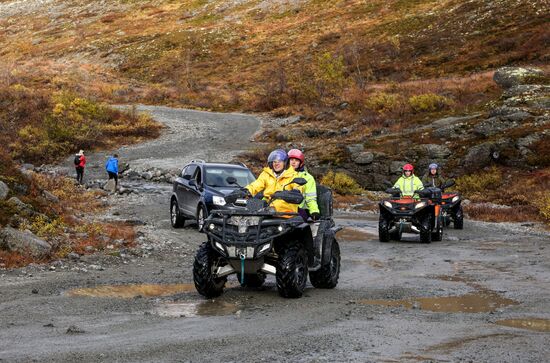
{"type": "Point", "coordinates": [50, 197]}
{"type": "Point", "coordinates": [355, 148]}
{"type": "Point", "coordinates": [27, 167]}
{"type": "Point", "coordinates": [508, 77]}
{"type": "Point", "coordinates": [110, 186]}
{"type": "Point", "coordinates": [479, 156]}
{"type": "Point", "coordinates": [73, 329]}
{"type": "Point", "coordinates": [147, 175]}
{"type": "Point", "coordinates": [363, 158]}
{"type": "Point", "coordinates": [73, 256]}
{"type": "Point", "coordinates": [4, 190]}
{"type": "Point", "coordinates": [23, 241]}
{"type": "Point", "coordinates": [448, 121]}
{"type": "Point", "coordinates": [503, 111]}
{"type": "Point", "coordinates": [519, 116]}
{"type": "Point", "coordinates": [20, 206]}
{"type": "Point", "coordinates": [492, 126]}
{"type": "Point", "coordinates": [21, 188]}
{"type": "Point", "coordinates": [434, 151]}
{"type": "Point", "coordinates": [523, 143]}
{"type": "Point", "coordinates": [343, 105]}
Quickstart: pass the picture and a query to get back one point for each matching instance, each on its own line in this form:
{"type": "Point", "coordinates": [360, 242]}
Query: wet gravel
{"type": "Point", "coordinates": [40, 319]}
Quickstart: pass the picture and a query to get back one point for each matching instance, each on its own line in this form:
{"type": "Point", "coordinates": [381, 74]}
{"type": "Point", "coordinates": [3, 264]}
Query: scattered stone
{"type": "Point", "coordinates": [73, 256]}
{"type": "Point", "coordinates": [363, 158]}
{"type": "Point", "coordinates": [23, 241]}
{"type": "Point", "coordinates": [73, 329]}
{"type": "Point", "coordinates": [355, 148]}
{"type": "Point", "coordinates": [34, 291]}
{"type": "Point", "coordinates": [49, 325]}
{"type": "Point", "coordinates": [50, 197]}
{"type": "Point", "coordinates": [110, 186]}
{"type": "Point", "coordinates": [4, 190]}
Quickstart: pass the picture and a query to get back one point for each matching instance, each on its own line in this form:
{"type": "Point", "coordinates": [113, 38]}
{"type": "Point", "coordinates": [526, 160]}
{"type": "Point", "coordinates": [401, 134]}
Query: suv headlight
{"type": "Point", "coordinates": [387, 204]}
{"type": "Point", "coordinates": [217, 200]}
{"type": "Point", "coordinates": [455, 198]}
{"type": "Point", "coordinates": [420, 205]}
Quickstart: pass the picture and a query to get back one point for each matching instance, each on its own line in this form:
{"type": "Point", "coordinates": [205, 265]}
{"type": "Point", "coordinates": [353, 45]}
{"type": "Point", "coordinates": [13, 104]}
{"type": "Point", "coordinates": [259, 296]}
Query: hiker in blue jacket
{"type": "Point", "coordinates": [112, 168]}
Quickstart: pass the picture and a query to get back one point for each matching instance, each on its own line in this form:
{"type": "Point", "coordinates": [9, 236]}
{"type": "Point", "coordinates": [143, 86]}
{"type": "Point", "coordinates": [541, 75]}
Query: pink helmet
{"type": "Point", "coordinates": [408, 167]}
{"type": "Point", "coordinates": [297, 154]}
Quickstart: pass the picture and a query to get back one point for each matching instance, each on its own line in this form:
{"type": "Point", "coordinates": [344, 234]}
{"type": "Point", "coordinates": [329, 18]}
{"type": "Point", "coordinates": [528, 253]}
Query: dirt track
{"type": "Point", "coordinates": [399, 301]}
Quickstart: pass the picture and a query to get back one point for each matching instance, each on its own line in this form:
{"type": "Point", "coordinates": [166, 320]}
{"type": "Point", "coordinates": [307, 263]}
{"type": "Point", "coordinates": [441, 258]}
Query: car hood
{"type": "Point", "coordinates": [221, 191]}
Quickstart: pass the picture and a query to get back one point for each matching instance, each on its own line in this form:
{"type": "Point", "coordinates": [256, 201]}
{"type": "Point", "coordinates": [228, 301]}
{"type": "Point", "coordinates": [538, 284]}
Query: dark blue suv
{"type": "Point", "coordinates": [201, 187]}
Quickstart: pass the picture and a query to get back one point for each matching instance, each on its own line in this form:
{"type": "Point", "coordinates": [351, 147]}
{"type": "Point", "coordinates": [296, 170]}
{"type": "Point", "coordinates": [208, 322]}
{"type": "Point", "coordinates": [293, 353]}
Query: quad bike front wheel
{"type": "Point", "coordinates": [292, 271]}
{"type": "Point", "coordinates": [203, 272]}
{"type": "Point", "coordinates": [327, 276]}
{"type": "Point", "coordinates": [383, 230]}
{"type": "Point", "coordinates": [458, 221]}
{"type": "Point", "coordinates": [437, 234]}
{"type": "Point", "coordinates": [426, 232]}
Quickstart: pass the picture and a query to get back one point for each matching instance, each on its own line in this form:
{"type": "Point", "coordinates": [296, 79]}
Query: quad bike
{"type": "Point", "coordinates": [451, 209]}
{"type": "Point", "coordinates": [405, 214]}
{"type": "Point", "coordinates": [250, 239]}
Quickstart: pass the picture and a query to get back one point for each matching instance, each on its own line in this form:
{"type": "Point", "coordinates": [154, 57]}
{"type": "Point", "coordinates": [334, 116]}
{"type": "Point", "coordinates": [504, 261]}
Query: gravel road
{"type": "Point", "coordinates": [482, 294]}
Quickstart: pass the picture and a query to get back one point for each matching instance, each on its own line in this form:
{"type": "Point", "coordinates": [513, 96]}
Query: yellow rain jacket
{"type": "Point", "coordinates": [269, 184]}
{"type": "Point", "coordinates": [409, 185]}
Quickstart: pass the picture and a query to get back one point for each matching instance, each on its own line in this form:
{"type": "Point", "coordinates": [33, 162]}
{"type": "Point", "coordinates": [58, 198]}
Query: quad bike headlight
{"type": "Point", "coordinates": [264, 248]}
{"type": "Point", "coordinates": [455, 198]}
{"type": "Point", "coordinates": [420, 205]}
{"type": "Point", "coordinates": [211, 226]}
{"type": "Point", "coordinates": [387, 204]}
{"type": "Point", "coordinates": [220, 247]}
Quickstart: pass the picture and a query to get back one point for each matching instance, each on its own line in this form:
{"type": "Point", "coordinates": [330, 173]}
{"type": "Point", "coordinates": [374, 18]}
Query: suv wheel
{"type": "Point", "coordinates": [201, 216]}
{"type": "Point", "coordinates": [176, 219]}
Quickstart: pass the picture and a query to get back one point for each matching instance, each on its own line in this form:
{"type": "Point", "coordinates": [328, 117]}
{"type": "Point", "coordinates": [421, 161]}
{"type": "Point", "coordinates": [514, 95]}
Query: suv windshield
{"type": "Point", "coordinates": [215, 176]}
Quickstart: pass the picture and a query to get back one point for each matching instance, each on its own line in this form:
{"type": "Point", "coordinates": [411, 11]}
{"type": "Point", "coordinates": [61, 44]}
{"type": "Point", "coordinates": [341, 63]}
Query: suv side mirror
{"type": "Point", "coordinates": [192, 183]}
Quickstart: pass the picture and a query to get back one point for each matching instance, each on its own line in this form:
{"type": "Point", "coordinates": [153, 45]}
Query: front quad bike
{"type": "Point", "coordinates": [400, 214]}
{"type": "Point", "coordinates": [251, 239]}
{"type": "Point", "coordinates": [452, 209]}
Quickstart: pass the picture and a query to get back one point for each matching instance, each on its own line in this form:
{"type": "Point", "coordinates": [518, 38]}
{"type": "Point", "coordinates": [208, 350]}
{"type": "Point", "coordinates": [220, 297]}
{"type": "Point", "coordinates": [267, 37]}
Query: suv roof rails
{"type": "Point", "coordinates": [198, 161]}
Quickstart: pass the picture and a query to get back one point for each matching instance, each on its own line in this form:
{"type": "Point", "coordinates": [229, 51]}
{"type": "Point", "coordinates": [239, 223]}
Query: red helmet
{"type": "Point", "coordinates": [297, 154]}
{"type": "Point", "coordinates": [408, 167]}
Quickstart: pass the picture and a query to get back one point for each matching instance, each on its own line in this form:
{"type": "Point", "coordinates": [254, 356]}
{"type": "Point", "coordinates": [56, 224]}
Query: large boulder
{"type": "Point", "coordinates": [434, 151]}
{"type": "Point", "coordinates": [4, 190]}
{"type": "Point", "coordinates": [508, 77]}
{"type": "Point", "coordinates": [15, 240]}
{"type": "Point", "coordinates": [363, 158]}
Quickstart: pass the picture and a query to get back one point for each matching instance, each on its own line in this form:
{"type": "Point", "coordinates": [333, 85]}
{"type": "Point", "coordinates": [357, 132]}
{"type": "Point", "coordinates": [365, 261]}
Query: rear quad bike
{"type": "Point", "coordinates": [451, 209]}
{"type": "Point", "coordinates": [400, 214]}
{"type": "Point", "coordinates": [250, 239]}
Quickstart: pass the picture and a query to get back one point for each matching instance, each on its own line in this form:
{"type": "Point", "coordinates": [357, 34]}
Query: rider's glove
{"type": "Point", "coordinates": [315, 216]}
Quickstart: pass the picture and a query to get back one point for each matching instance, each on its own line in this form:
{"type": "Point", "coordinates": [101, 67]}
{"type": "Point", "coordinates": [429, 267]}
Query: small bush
{"type": "Point", "coordinates": [542, 202]}
{"type": "Point", "coordinates": [382, 102]}
{"type": "Point", "coordinates": [341, 183]}
{"type": "Point", "coordinates": [429, 102]}
{"type": "Point", "coordinates": [478, 183]}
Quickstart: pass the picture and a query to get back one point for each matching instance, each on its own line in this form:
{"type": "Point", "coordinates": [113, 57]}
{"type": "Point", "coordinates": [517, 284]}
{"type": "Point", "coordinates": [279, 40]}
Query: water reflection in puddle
{"type": "Point", "coordinates": [349, 234]}
{"type": "Point", "coordinates": [542, 325]}
{"type": "Point", "coordinates": [194, 309]}
{"type": "Point", "coordinates": [130, 291]}
{"type": "Point", "coordinates": [469, 303]}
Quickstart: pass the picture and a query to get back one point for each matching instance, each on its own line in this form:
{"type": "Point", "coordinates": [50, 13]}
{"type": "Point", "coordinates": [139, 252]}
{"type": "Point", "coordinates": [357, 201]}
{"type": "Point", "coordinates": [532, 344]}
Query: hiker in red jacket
{"type": "Point", "coordinates": [79, 164]}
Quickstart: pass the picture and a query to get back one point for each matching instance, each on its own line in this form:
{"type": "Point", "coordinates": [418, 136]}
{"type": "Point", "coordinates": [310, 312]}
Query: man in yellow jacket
{"type": "Point", "coordinates": [274, 178]}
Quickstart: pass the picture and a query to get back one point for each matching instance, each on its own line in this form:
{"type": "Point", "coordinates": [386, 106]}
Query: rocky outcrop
{"type": "Point", "coordinates": [508, 77]}
{"type": "Point", "coordinates": [15, 240]}
{"type": "Point", "coordinates": [4, 190]}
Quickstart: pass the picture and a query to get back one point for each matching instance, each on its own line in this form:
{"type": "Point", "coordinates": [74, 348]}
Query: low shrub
{"type": "Point", "coordinates": [341, 183]}
{"type": "Point", "coordinates": [429, 102]}
{"type": "Point", "coordinates": [383, 102]}
{"type": "Point", "coordinates": [477, 183]}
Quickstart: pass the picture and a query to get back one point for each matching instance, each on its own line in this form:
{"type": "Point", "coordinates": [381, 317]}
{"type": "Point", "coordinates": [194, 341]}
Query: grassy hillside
{"type": "Point", "coordinates": [367, 73]}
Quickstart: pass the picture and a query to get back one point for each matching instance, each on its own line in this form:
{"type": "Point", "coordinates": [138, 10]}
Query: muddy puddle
{"type": "Point", "coordinates": [131, 291]}
{"type": "Point", "coordinates": [469, 303]}
{"type": "Point", "coordinates": [542, 325]}
{"type": "Point", "coordinates": [196, 309]}
{"type": "Point", "coordinates": [349, 234]}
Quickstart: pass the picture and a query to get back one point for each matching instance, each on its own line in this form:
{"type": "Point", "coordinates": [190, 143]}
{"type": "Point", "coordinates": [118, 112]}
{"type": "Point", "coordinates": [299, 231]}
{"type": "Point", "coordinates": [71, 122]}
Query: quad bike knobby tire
{"type": "Point", "coordinates": [437, 234]}
{"type": "Point", "coordinates": [205, 282]}
{"type": "Point", "coordinates": [292, 271]}
{"type": "Point", "coordinates": [176, 219]}
{"type": "Point", "coordinates": [252, 280]}
{"type": "Point", "coordinates": [383, 230]}
{"type": "Point", "coordinates": [425, 232]}
{"type": "Point", "coordinates": [458, 221]}
{"type": "Point", "coordinates": [327, 276]}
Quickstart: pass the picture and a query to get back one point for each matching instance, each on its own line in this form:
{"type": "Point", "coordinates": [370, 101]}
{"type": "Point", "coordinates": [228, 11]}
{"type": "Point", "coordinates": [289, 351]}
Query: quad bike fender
{"type": "Point", "coordinates": [302, 233]}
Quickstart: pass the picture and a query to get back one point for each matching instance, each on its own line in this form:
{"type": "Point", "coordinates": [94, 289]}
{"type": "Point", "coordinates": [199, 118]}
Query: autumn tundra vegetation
{"type": "Point", "coordinates": [364, 85]}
